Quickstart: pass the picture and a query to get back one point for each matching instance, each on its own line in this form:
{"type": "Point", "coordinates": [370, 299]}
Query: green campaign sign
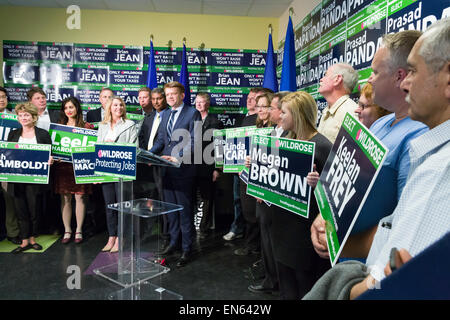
{"type": "Point", "coordinates": [219, 141]}
{"type": "Point", "coordinates": [24, 163]}
{"type": "Point", "coordinates": [66, 137]}
{"type": "Point", "coordinates": [237, 146]}
{"type": "Point", "coordinates": [83, 159]}
{"type": "Point", "coordinates": [346, 179]}
{"type": "Point", "coordinates": [278, 171]}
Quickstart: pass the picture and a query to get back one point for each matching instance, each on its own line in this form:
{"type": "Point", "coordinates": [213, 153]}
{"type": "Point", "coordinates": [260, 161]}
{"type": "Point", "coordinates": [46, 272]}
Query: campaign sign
{"type": "Point", "coordinates": [237, 147]}
{"type": "Point", "coordinates": [66, 137]}
{"type": "Point", "coordinates": [219, 142]}
{"type": "Point", "coordinates": [24, 163]}
{"type": "Point", "coordinates": [278, 171]}
{"type": "Point", "coordinates": [346, 179]}
{"type": "Point", "coordinates": [8, 122]}
{"type": "Point", "coordinates": [114, 159]}
{"type": "Point", "coordinates": [83, 159]}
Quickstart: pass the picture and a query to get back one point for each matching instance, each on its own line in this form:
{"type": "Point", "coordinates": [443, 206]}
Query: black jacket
{"type": "Point", "coordinates": [42, 137]}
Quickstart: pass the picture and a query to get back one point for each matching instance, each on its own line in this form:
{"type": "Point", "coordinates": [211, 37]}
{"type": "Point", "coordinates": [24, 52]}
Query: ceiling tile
{"type": "Point", "coordinates": [226, 8]}
{"type": "Point", "coordinates": [267, 10]}
{"type": "Point", "coordinates": [135, 5]}
{"type": "Point", "coordinates": [175, 6]}
{"type": "Point", "coordinates": [84, 4]}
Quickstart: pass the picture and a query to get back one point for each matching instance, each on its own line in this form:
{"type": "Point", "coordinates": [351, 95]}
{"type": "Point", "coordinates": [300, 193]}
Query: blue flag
{"type": "Point", "coordinates": [152, 81]}
{"type": "Point", "coordinates": [184, 78]}
{"type": "Point", "coordinates": [288, 74]}
{"type": "Point", "coordinates": [270, 73]}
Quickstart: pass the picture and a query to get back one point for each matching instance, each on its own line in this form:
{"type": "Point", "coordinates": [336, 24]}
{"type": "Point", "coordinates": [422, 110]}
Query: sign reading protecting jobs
{"type": "Point", "coordinates": [114, 159]}
{"type": "Point", "coordinates": [24, 163]}
{"type": "Point", "coordinates": [83, 159]}
{"type": "Point", "coordinates": [66, 137]}
{"type": "Point", "coordinates": [346, 179]}
{"type": "Point", "coordinates": [8, 122]}
{"type": "Point", "coordinates": [278, 171]}
{"type": "Point", "coordinates": [237, 147]}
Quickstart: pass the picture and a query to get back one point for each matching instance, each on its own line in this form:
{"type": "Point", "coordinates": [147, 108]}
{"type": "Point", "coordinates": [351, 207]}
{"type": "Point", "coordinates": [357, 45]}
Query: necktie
{"type": "Point", "coordinates": [171, 123]}
{"type": "Point", "coordinates": [155, 126]}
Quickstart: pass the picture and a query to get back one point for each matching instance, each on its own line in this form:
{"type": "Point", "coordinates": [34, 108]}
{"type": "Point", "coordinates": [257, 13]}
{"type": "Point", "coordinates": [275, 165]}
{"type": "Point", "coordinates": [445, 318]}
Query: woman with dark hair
{"type": "Point", "coordinates": [64, 182]}
{"type": "Point", "coordinates": [26, 194]}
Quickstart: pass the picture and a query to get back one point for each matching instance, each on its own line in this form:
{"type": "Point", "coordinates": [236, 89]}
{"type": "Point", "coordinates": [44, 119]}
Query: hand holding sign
{"type": "Point", "coordinates": [319, 238]}
{"type": "Point", "coordinates": [313, 178]}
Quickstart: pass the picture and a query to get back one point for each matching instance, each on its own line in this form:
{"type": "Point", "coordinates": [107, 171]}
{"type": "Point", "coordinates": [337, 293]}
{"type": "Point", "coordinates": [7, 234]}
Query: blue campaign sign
{"type": "Point", "coordinates": [8, 122]}
{"type": "Point", "coordinates": [116, 160]}
{"type": "Point", "coordinates": [24, 163]}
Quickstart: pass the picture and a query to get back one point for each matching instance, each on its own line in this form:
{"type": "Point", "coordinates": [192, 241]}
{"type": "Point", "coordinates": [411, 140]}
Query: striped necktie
{"type": "Point", "coordinates": [171, 123]}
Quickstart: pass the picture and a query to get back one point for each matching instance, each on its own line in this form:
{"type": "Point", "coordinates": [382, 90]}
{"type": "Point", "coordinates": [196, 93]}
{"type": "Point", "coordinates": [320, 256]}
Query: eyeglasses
{"type": "Point", "coordinates": [266, 107]}
{"type": "Point", "coordinates": [3, 98]}
{"type": "Point", "coordinates": [363, 106]}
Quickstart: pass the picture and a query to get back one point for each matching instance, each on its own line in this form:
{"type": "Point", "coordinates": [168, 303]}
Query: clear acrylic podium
{"type": "Point", "coordinates": [134, 266]}
{"type": "Point", "coordinates": [136, 263]}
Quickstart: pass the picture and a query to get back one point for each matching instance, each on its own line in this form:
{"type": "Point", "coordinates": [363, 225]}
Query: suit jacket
{"type": "Point", "coordinates": [146, 128]}
{"type": "Point", "coordinates": [94, 115]}
{"type": "Point", "coordinates": [179, 147]}
{"type": "Point", "coordinates": [210, 123]}
{"type": "Point", "coordinates": [54, 115]}
{"type": "Point", "coordinates": [42, 137]}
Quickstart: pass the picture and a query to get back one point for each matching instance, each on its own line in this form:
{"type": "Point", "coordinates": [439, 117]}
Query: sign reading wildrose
{"type": "Point", "coordinates": [278, 171]}
{"type": "Point", "coordinates": [66, 137]}
{"type": "Point", "coordinates": [346, 179]}
{"type": "Point", "coordinates": [8, 122]}
{"type": "Point", "coordinates": [114, 159]}
{"type": "Point", "coordinates": [24, 163]}
{"type": "Point", "coordinates": [237, 147]}
{"type": "Point", "coordinates": [83, 159]}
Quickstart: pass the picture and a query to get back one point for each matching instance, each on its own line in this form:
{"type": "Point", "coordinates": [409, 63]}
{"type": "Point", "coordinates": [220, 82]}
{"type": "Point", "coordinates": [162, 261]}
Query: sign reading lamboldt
{"type": "Point", "coordinates": [24, 163]}
{"type": "Point", "coordinates": [346, 179]}
{"type": "Point", "coordinates": [115, 159]}
{"type": "Point", "coordinates": [278, 171]}
{"type": "Point", "coordinates": [66, 137]}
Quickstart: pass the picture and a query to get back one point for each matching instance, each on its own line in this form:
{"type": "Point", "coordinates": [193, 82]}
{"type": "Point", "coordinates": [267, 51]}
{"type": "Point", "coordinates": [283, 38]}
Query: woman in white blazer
{"type": "Point", "coordinates": [114, 128]}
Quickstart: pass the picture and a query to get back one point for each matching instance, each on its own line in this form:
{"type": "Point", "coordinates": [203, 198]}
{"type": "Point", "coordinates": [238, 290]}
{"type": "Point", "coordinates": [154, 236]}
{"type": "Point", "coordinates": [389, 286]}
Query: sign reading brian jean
{"type": "Point", "coordinates": [24, 163]}
{"type": "Point", "coordinates": [115, 159]}
{"type": "Point", "coordinates": [66, 137]}
{"type": "Point", "coordinates": [346, 179]}
{"type": "Point", "coordinates": [278, 171]}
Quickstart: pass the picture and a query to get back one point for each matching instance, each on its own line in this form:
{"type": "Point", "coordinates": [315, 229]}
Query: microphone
{"type": "Point", "coordinates": [137, 125]}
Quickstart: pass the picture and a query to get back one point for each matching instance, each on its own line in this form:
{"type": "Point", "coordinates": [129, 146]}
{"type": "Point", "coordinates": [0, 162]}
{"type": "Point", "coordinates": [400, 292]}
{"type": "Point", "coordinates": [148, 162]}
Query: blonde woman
{"type": "Point", "coordinates": [26, 194]}
{"type": "Point", "coordinates": [114, 128]}
{"type": "Point", "coordinates": [298, 265]}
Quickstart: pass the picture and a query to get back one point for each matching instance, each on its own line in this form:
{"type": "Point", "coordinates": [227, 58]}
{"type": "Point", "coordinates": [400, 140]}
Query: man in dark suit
{"type": "Point", "coordinates": [145, 100]}
{"type": "Point", "coordinates": [207, 174]}
{"type": "Point", "coordinates": [176, 142]}
{"type": "Point", "coordinates": [97, 115]}
{"type": "Point", "coordinates": [149, 175]}
{"type": "Point", "coordinates": [38, 98]}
